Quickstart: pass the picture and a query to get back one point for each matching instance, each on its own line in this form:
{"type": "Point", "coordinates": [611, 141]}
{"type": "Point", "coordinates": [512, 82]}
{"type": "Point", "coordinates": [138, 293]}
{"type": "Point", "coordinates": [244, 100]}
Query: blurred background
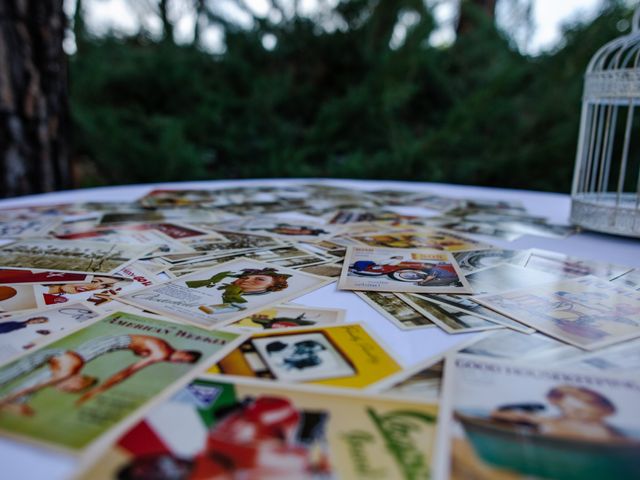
{"type": "Point", "coordinates": [483, 92]}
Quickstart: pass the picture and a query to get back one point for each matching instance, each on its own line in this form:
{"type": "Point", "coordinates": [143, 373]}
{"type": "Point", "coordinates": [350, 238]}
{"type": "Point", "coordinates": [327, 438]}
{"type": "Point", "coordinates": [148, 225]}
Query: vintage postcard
{"type": "Point", "coordinates": [520, 346]}
{"type": "Point", "coordinates": [215, 429]}
{"type": "Point", "coordinates": [288, 316]}
{"type": "Point", "coordinates": [630, 280]}
{"type": "Point", "coordinates": [564, 265]}
{"type": "Point", "coordinates": [398, 270]}
{"type": "Point", "coordinates": [15, 298]}
{"type": "Point", "coordinates": [328, 270]}
{"type": "Point", "coordinates": [76, 256]}
{"type": "Point", "coordinates": [94, 378]}
{"type": "Point", "coordinates": [24, 277]}
{"type": "Point", "coordinates": [19, 332]}
{"type": "Point", "coordinates": [479, 259]}
{"type": "Point", "coordinates": [519, 421]}
{"type": "Point", "coordinates": [397, 311]}
{"type": "Point", "coordinates": [587, 312]}
{"type": "Point", "coordinates": [623, 359]}
{"type": "Point", "coordinates": [432, 238]}
{"type": "Point", "coordinates": [231, 242]}
{"type": "Point", "coordinates": [28, 228]}
{"type": "Point", "coordinates": [507, 277]}
{"type": "Point", "coordinates": [465, 304]}
{"type": "Point", "coordinates": [283, 228]}
{"type": "Point", "coordinates": [451, 320]}
{"type": "Point", "coordinates": [334, 356]}
{"type": "Point", "coordinates": [163, 244]}
{"type": "Point", "coordinates": [230, 291]}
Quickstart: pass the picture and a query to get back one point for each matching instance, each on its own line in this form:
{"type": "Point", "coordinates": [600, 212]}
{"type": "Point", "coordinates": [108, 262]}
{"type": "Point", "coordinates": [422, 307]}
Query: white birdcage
{"type": "Point", "coordinates": [606, 183]}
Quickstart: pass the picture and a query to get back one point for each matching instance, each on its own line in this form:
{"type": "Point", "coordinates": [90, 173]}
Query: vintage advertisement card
{"type": "Point", "coordinates": [335, 356]}
{"type": "Point", "coordinates": [479, 259]}
{"type": "Point", "coordinates": [451, 320]}
{"type": "Point", "coordinates": [397, 270]}
{"type": "Point", "coordinates": [76, 256]}
{"type": "Point", "coordinates": [69, 392]}
{"type": "Point", "coordinates": [225, 293]}
{"type": "Point", "coordinates": [15, 298]}
{"type": "Point", "coordinates": [288, 316]}
{"type": "Point", "coordinates": [396, 310]}
{"type": "Point", "coordinates": [328, 270]}
{"type": "Point", "coordinates": [587, 312]}
{"type": "Point", "coordinates": [507, 277]}
{"type": "Point", "coordinates": [518, 421]}
{"type": "Point", "coordinates": [23, 277]}
{"type": "Point", "coordinates": [465, 304]}
{"type": "Point", "coordinates": [19, 332]}
{"type": "Point", "coordinates": [247, 429]}
{"type": "Point", "coordinates": [436, 239]}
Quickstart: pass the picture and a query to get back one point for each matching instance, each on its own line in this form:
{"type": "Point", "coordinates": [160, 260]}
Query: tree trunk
{"type": "Point", "coordinates": [34, 112]}
{"type": "Point", "coordinates": [469, 11]}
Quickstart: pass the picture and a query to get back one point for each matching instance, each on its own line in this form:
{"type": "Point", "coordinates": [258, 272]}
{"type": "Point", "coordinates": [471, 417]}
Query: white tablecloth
{"type": "Point", "coordinates": [21, 461]}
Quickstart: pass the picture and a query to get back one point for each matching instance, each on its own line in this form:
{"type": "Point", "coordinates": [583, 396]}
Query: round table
{"type": "Point", "coordinates": [22, 461]}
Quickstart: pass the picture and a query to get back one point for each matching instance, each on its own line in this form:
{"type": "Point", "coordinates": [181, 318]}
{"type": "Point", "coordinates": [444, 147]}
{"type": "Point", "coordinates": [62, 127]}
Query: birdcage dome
{"type": "Point", "coordinates": [606, 183]}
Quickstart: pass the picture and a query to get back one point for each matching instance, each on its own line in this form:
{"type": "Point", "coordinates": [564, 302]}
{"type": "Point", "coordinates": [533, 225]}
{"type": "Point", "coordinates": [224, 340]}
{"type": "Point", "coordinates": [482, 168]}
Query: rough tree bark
{"type": "Point", "coordinates": [34, 112]}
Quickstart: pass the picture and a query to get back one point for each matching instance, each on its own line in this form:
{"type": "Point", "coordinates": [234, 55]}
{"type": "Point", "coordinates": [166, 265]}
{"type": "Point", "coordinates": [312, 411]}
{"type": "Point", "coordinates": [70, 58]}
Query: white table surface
{"type": "Point", "coordinates": [21, 461]}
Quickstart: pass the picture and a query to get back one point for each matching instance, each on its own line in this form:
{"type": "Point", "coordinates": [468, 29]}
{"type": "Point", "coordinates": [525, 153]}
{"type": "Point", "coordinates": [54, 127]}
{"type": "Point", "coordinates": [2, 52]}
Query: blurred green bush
{"type": "Point", "coordinates": [333, 104]}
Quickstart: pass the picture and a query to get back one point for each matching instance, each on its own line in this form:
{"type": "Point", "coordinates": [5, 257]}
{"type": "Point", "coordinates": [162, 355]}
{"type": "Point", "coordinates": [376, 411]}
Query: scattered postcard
{"type": "Point", "coordinates": [19, 332]}
{"type": "Point", "coordinates": [288, 316]}
{"type": "Point", "coordinates": [427, 238]}
{"type": "Point", "coordinates": [480, 259]}
{"type": "Point", "coordinates": [401, 270]}
{"type": "Point", "coordinates": [564, 265]}
{"type": "Point", "coordinates": [393, 308]}
{"type": "Point", "coordinates": [283, 228]}
{"type": "Point", "coordinates": [24, 277]}
{"type": "Point", "coordinates": [630, 280]}
{"type": "Point", "coordinates": [28, 228]}
{"type": "Point", "coordinates": [623, 359]}
{"type": "Point", "coordinates": [214, 429]}
{"type": "Point", "coordinates": [517, 421]}
{"type": "Point", "coordinates": [16, 298]}
{"type": "Point", "coordinates": [516, 345]}
{"type": "Point", "coordinates": [465, 304]}
{"type": "Point", "coordinates": [231, 242]}
{"type": "Point", "coordinates": [94, 378]}
{"type": "Point", "coordinates": [451, 320]}
{"type": "Point", "coordinates": [334, 356]}
{"type": "Point", "coordinates": [77, 256]}
{"type": "Point", "coordinates": [227, 292]}
{"type": "Point", "coordinates": [421, 382]}
{"type": "Point", "coordinates": [328, 270]}
{"type": "Point", "coordinates": [587, 312]}
{"type": "Point", "coordinates": [507, 277]}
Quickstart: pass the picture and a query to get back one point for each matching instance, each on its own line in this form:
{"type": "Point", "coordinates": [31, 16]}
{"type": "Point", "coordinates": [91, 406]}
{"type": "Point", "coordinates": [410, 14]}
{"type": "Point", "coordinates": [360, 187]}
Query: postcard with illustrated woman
{"type": "Point", "coordinates": [76, 256]}
{"type": "Point", "coordinates": [586, 312]}
{"type": "Point", "coordinates": [501, 419]}
{"type": "Point", "coordinates": [69, 392]}
{"type": "Point", "coordinates": [345, 356]}
{"type": "Point", "coordinates": [20, 332]}
{"type": "Point", "coordinates": [227, 292]}
{"type": "Point", "coordinates": [214, 428]}
{"type": "Point", "coordinates": [288, 316]}
{"type": "Point", "coordinates": [396, 270]}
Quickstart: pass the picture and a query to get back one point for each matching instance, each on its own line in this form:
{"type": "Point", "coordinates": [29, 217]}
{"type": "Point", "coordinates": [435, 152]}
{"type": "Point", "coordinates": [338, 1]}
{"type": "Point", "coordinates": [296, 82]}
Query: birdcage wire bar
{"type": "Point", "coordinates": [606, 183]}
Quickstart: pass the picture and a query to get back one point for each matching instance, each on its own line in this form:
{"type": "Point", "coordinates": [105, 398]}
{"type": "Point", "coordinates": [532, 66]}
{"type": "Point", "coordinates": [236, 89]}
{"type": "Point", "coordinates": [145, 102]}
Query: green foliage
{"type": "Point", "coordinates": [335, 104]}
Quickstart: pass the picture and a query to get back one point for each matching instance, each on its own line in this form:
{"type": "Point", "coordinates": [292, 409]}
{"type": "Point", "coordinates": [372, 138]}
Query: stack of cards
{"type": "Point", "coordinates": [170, 338]}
